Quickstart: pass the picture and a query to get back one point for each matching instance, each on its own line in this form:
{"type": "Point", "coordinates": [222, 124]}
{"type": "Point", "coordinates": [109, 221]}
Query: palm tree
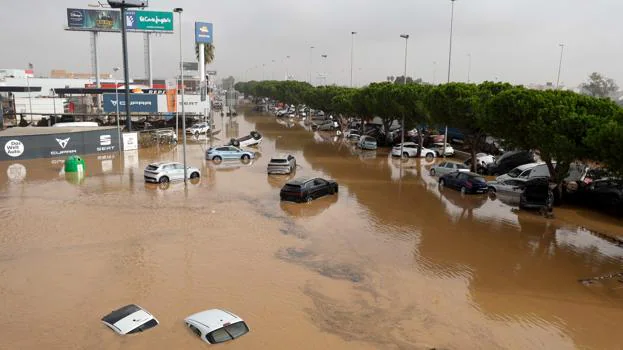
{"type": "Point", "coordinates": [208, 53]}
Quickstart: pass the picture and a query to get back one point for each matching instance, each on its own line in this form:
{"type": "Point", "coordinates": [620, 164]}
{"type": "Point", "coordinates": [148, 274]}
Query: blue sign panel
{"type": "Point", "coordinates": [203, 33]}
{"type": "Point", "coordinates": [139, 103]}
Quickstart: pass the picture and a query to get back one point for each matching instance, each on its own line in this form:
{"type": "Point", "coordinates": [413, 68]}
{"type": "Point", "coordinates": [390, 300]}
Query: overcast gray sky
{"type": "Point", "coordinates": [511, 40]}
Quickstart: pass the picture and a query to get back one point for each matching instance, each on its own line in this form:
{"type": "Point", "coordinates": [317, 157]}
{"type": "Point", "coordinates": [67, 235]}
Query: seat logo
{"type": "Point", "coordinates": [63, 142]}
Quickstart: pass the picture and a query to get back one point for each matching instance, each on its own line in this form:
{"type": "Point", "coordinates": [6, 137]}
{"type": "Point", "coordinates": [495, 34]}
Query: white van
{"type": "Point", "coordinates": [526, 172]}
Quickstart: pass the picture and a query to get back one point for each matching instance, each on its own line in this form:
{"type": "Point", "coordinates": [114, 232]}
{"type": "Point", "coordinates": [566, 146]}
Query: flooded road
{"type": "Point", "coordinates": [391, 262]}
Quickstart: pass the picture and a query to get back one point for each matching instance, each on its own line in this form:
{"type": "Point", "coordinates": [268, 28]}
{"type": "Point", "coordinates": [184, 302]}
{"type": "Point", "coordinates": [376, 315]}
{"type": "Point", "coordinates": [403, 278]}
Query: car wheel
{"type": "Point", "coordinates": [163, 179]}
{"type": "Point", "coordinates": [309, 199]}
{"type": "Point", "coordinates": [405, 155]}
{"type": "Point", "coordinates": [492, 190]}
{"type": "Point", "coordinates": [463, 190]}
{"type": "Point", "coordinates": [430, 156]}
{"type": "Point", "coordinates": [197, 134]}
{"type": "Point", "coordinates": [194, 175]}
{"type": "Point", "coordinates": [245, 157]}
{"type": "Point", "coordinates": [442, 183]}
{"type": "Point", "coordinates": [217, 159]}
{"type": "Point", "coordinates": [432, 172]}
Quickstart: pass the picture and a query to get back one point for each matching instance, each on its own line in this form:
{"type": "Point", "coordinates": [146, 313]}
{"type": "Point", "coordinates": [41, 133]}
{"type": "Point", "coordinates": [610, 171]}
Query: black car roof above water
{"type": "Point", "coordinates": [299, 181]}
{"type": "Point", "coordinates": [121, 313]}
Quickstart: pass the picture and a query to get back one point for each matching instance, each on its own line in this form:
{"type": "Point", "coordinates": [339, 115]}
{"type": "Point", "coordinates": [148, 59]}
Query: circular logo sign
{"type": "Point", "coordinates": [14, 148]}
{"type": "Point", "coordinates": [16, 172]}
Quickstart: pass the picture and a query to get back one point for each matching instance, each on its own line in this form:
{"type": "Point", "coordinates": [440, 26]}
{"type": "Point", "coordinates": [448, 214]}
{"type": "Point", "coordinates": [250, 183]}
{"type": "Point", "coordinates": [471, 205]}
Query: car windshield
{"type": "Point", "coordinates": [229, 332]}
{"type": "Point", "coordinates": [278, 160]}
{"type": "Point", "coordinates": [291, 187]}
{"type": "Point", "coordinates": [515, 172]}
{"type": "Point", "coordinates": [478, 179]}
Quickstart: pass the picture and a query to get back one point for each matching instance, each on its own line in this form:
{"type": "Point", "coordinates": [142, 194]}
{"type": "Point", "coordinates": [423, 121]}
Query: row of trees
{"type": "Point", "coordinates": [562, 125]}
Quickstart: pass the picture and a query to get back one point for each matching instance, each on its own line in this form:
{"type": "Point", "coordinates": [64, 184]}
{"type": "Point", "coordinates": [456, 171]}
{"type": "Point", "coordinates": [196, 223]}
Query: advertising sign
{"type": "Point", "coordinates": [203, 33]}
{"type": "Point", "coordinates": [139, 103]}
{"type": "Point", "coordinates": [211, 72]}
{"type": "Point", "coordinates": [130, 141]}
{"type": "Point", "coordinates": [102, 140]}
{"type": "Point", "coordinates": [96, 20]}
{"type": "Point", "coordinates": [191, 66]}
{"type": "Point", "coordinates": [110, 20]}
{"type": "Point", "coordinates": [150, 21]}
{"type": "Point", "coordinates": [171, 93]}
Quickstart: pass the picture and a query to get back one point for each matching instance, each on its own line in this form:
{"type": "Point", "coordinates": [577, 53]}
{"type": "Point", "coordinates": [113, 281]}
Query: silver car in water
{"type": "Point", "coordinates": [281, 164]}
{"type": "Point", "coordinates": [164, 172]}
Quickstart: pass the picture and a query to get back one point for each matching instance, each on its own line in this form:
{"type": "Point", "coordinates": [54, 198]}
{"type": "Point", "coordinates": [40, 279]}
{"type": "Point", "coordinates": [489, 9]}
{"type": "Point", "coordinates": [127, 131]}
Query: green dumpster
{"type": "Point", "coordinates": [74, 164]}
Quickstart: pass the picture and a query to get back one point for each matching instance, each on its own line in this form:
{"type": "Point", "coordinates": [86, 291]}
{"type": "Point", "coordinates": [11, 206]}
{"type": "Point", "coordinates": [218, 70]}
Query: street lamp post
{"type": "Point", "coordinates": [116, 69]}
{"type": "Point", "coordinates": [324, 67]}
{"type": "Point", "coordinates": [445, 135]}
{"type": "Point", "coordinates": [287, 68]}
{"type": "Point", "coordinates": [562, 48]}
{"type": "Point", "coordinates": [311, 63]}
{"type": "Point", "coordinates": [402, 136]}
{"type": "Point", "coordinates": [451, 28]}
{"type": "Point", "coordinates": [29, 97]}
{"type": "Point", "coordinates": [352, 55]}
{"type": "Point", "coordinates": [469, 66]}
{"type": "Point", "coordinates": [179, 11]}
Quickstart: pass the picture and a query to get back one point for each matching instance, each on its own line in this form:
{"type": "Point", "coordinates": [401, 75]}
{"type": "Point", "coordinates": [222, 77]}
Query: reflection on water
{"type": "Point", "coordinates": [392, 262]}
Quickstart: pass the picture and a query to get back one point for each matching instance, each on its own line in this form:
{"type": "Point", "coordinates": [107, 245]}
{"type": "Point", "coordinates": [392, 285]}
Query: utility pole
{"type": "Point", "coordinates": [402, 136]}
{"type": "Point", "coordinates": [352, 56]}
{"type": "Point", "coordinates": [562, 48]}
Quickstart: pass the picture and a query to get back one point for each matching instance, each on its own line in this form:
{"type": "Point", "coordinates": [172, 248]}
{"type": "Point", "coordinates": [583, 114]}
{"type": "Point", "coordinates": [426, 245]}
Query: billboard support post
{"type": "Point", "coordinates": [148, 67]}
{"type": "Point", "coordinates": [126, 73]}
{"type": "Point", "coordinates": [96, 69]}
{"type": "Point", "coordinates": [202, 75]}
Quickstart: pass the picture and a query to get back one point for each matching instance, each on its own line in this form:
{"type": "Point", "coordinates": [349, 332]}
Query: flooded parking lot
{"type": "Point", "coordinates": [391, 262]}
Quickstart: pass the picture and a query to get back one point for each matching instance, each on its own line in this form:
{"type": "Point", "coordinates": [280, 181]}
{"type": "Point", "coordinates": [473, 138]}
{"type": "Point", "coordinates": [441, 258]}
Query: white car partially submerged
{"type": "Point", "coordinates": [129, 319]}
{"type": "Point", "coordinates": [216, 326]}
{"type": "Point", "coordinates": [409, 150]}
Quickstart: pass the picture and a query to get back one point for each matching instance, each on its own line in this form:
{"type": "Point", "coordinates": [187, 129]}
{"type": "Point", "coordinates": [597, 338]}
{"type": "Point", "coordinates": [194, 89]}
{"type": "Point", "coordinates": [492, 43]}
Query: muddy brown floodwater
{"type": "Point", "coordinates": [391, 262]}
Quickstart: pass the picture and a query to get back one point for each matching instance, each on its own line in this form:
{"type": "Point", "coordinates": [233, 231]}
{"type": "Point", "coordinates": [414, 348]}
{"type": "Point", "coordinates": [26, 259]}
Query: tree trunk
{"type": "Point", "coordinates": [420, 141]}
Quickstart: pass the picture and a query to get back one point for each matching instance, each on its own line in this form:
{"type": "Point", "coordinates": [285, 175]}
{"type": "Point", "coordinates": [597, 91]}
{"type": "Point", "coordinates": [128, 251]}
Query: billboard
{"type": "Point", "coordinates": [191, 66]}
{"type": "Point", "coordinates": [102, 140]}
{"type": "Point", "coordinates": [147, 21]}
{"type": "Point", "coordinates": [95, 20]}
{"type": "Point", "coordinates": [110, 20]}
{"type": "Point", "coordinates": [139, 103]}
{"type": "Point", "coordinates": [203, 33]}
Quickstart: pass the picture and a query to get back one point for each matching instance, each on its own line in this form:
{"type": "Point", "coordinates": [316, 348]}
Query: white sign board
{"type": "Point", "coordinates": [130, 141]}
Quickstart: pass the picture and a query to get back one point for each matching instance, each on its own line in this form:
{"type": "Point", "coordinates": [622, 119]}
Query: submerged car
{"type": "Point", "coordinates": [216, 326]}
{"type": "Point", "coordinates": [253, 139]}
{"type": "Point", "coordinates": [438, 148]}
{"type": "Point", "coordinates": [510, 186]}
{"type": "Point", "coordinates": [197, 129]}
{"type": "Point", "coordinates": [537, 194]}
{"type": "Point", "coordinates": [217, 154]}
{"type": "Point", "coordinates": [281, 164]}
{"type": "Point", "coordinates": [163, 172]}
{"type": "Point", "coordinates": [409, 150]}
{"type": "Point", "coordinates": [367, 143]}
{"type": "Point", "coordinates": [129, 319]}
{"type": "Point", "coordinates": [510, 160]}
{"type": "Point", "coordinates": [446, 168]}
{"type": "Point", "coordinates": [465, 182]}
{"type": "Point", "coordinates": [307, 189]}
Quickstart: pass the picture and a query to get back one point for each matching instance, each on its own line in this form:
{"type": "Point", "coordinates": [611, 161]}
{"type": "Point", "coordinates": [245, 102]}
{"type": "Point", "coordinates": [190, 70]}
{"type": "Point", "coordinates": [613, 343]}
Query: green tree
{"type": "Point", "coordinates": [463, 106]}
{"type": "Point", "coordinates": [208, 50]}
{"type": "Point", "coordinates": [556, 123]}
{"type": "Point", "coordinates": [599, 86]}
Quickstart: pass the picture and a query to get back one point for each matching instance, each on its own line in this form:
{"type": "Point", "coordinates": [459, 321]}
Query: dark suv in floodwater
{"type": "Point", "coordinates": [510, 160]}
{"type": "Point", "coordinates": [306, 189]}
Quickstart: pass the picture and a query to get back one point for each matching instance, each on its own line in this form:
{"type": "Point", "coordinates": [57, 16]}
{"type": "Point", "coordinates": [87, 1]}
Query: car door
{"type": "Point", "coordinates": [321, 188]}
{"type": "Point", "coordinates": [440, 169]}
{"type": "Point", "coordinates": [232, 152]}
{"type": "Point", "coordinates": [461, 179]}
{"type": "Point", "coordinates": [450, 168]}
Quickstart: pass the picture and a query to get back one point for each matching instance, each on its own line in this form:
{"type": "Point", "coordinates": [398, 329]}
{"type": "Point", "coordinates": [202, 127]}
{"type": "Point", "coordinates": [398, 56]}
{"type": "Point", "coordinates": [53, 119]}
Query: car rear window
{"type": "Point", "coordinates": [278, 161]}
{"type": "Point", "coordinates": [292, 188]}
{"type": "Point", "coordinates": [229, 332]}
{"type": "Point", "coordinates": [152, 167]}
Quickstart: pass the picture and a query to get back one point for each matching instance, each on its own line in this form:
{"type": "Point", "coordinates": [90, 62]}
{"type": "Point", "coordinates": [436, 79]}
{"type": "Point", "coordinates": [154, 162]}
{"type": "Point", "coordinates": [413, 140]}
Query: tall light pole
{"type": "Point", "coordinates": [445, 134]}
{"type": "Point", "coordinates": [116, 69]}
{"type": "Point", "coordinates": [562, 48]}
{"type": "Point", "coordinates": [402, 136]}
{"type": "Point", "coordinates": [451, 28]}
{"type": "Point", "coordinates": [469, 66]}
{"type": "Point", "coordinates": [287, 68]}
{"type": "Point", "coordinates": [352, 55]}
{"type": "Point", "coordinates": [311, 63]}
{"type": "Point", "coordinates": [324, 66]}
{"type": "Point", "coordinates": [434, 72]}
{"type": "Point", "coordinates": [29, 97]}
{"type": "Point", "coordinates": [179, 11]}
